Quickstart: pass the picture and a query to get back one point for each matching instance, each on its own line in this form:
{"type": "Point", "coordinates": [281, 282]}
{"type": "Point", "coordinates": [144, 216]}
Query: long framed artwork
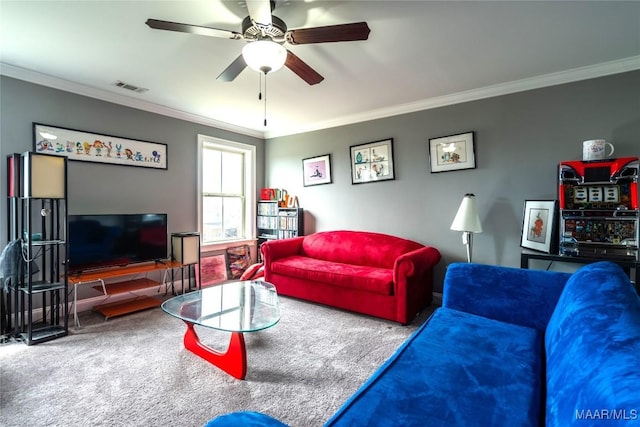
{"type": "Point", "coordinates": [316, 170]}
{"type": "Point", "coordinates": [539, 225]}
{"type": "Point", "coordinates": [372, 162]}
{"type": "Point", "coordinates": [93, 147]}
{"type": "Point", "coordinates": [453, 152]}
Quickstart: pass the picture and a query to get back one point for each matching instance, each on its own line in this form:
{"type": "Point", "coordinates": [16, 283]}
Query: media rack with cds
{"type": "Point", "coordinates": [275, 222]}
{"type": "Point", "coordinates": [599, 212]}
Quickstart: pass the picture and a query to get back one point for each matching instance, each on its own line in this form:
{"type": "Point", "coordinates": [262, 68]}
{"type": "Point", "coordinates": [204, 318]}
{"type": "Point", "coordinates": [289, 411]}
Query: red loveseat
{"type": "Point", "coordinates": [371, 273]}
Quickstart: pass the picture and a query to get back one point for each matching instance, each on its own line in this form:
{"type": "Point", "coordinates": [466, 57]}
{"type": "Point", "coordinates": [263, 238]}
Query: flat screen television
{"type": "Point", "coordinates": [100, 241]}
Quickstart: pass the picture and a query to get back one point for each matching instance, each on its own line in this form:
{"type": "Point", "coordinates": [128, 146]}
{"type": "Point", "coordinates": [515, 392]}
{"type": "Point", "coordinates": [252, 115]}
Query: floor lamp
{"type": "Point", "coordinates": [467, 221]}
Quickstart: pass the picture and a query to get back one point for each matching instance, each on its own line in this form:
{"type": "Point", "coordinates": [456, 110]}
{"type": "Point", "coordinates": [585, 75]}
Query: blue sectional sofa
{"type": "Point", "coordinates": [508, 347]}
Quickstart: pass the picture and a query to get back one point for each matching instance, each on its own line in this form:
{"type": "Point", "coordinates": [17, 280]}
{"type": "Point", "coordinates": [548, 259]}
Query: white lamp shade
{"type": "Point", "coordinates": [44, 176]}
{"type": "Point", "coordinates": [467, 217]}
{"type": "Point", "coordinates": [186, 248]}
{"type": "Point", "coordinates": [264, 56]}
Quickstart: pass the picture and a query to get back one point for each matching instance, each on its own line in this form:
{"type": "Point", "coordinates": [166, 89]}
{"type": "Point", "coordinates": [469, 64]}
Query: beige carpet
{"type": "Point", "coordinates": [134, 371]}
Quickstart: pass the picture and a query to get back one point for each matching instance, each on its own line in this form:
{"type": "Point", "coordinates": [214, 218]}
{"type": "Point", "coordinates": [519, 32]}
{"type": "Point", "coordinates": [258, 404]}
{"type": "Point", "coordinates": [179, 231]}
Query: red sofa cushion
{"type": "Point", "coordinates": [357, 248]}
{"type": "Point", "coordinates": [364, 278]}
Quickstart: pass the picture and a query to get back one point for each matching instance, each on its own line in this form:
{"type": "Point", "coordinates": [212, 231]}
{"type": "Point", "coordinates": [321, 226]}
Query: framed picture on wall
{"type": "Point", "coordinates": [93, 147]}
{"type": "Point", "coordinates": [539, 225]}
{"type": "Point", "coordinates": [372, 162]}
{"type": "Point", "coordinates": [316, 170]}
{"type": "Point", "coordinates": [453, 152]}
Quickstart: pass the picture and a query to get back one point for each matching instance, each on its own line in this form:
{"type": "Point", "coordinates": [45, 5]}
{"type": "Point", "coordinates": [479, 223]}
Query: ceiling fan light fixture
{"type": "Point", "coordinates": [264, 56]}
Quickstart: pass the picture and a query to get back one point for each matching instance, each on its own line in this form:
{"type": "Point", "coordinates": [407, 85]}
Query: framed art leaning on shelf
{"type": "Point", "coordinates": [539, 225]}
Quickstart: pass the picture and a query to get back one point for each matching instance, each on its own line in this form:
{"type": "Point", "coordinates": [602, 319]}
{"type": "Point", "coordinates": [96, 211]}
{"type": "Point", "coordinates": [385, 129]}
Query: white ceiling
{"type": "Point", "coordinates": [420, 54]}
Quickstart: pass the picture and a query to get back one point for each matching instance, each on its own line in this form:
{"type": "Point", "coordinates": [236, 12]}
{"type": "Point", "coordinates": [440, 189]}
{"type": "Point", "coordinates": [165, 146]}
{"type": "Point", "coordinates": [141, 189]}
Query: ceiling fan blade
{"type": "Point", "coordinates": [157, 24]}
{"type": "Point", "coordinates": [260, 11]}
{"type": "Point", "coordinates": [302, 69]}
{"type": "Point", "coordinates": [330, 33]}
{"type": "Point", "coordinates": [233, 70]}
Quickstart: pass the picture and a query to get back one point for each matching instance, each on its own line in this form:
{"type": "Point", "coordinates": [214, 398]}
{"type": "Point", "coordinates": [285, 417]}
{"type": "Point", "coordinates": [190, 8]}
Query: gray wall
{"type": "Point", "coordinates": [520, 139]}
{"type": "Point", "coordinates": [100, 188]}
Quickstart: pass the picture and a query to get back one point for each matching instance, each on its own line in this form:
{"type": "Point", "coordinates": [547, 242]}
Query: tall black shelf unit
{"type": "Point", "coordinates": [275, 222]}
{"type": "Point", "coordinates": [37, 217]}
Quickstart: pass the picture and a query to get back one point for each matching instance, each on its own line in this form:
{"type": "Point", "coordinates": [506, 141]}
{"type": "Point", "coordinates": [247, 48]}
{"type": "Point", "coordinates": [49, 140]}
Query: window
{"type": "Point", "coordinates": [226, 188]}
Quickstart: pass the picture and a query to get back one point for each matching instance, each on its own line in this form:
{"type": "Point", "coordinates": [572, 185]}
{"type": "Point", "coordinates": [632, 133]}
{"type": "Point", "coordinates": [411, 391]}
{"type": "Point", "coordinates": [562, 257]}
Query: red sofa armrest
{"type": "Point", "coordinates": [413, 281]}
{"type": "Point", "coordinates": [276, 249]}
{"type": "Point", "coordinates": [415, 263]}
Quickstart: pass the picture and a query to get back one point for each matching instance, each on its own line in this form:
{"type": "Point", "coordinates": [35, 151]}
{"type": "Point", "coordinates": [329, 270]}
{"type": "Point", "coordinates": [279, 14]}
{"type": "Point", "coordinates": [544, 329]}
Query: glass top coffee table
{"type": "Point", "coordinates": [236, 307]}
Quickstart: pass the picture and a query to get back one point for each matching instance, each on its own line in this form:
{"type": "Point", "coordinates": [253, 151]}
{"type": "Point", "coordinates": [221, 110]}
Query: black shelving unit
{"type": "Point", "coordinates": [38, 306]}
{"type": "Point", "coordinates": [275, 222]}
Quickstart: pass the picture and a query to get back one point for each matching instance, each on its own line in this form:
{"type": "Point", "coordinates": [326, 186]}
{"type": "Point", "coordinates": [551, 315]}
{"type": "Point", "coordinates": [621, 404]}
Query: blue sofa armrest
{"type": "Point", "coordinates": [245, 419]}
{"type": "Point", "coordinates": [514, 295]}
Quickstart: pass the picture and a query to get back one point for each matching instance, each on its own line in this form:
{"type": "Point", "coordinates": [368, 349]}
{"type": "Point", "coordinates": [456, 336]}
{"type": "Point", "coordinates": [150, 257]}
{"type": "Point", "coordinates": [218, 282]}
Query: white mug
{"type": "Point", "coordinates": [596, 149]}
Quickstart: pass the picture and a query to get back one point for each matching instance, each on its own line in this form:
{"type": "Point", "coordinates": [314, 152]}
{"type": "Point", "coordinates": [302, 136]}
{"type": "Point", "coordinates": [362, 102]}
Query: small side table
{"type": "Point", "coordinates": [626, 264]}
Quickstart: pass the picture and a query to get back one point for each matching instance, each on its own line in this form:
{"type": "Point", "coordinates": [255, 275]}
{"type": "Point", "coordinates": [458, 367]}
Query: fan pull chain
{"type": "Point", "coordinates": [265, 95]}
{"type": "Point", "coordinates": [265, 99]}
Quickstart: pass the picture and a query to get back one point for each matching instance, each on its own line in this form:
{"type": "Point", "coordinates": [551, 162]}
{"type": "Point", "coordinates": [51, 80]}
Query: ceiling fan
{"type": "Point", "coordinates": [265, 35]}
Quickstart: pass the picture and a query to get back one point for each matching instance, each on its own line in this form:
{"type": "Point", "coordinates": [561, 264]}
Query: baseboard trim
{"type": "Point", "coordinates": [87, 304]}
{"type": "Point", "coordinates": [437, 298]}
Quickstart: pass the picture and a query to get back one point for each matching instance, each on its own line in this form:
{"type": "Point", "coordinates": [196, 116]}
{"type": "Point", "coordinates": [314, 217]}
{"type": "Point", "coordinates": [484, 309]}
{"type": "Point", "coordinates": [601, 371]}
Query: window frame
{"type": "Point", "coordinates": [249, 184]}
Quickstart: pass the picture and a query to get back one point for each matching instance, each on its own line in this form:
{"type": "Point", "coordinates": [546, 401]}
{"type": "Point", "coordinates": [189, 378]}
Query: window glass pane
{"type": "Point", "coordinates": [211, 219]}
{"type": "Point", "coordinates": [232, 173]}
{"type": "Point", "coordinates": [232, 217]}
{"type": "Point", "coordinates": [211, 176]}
{"type": "Point", "coordinates": [224, 187]}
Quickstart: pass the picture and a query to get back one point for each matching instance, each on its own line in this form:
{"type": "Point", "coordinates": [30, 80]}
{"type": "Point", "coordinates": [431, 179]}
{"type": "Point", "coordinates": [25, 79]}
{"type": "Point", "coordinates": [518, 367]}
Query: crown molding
{"type": "Point", "coordinates": [582, 73]}
{"type": "Point", "coordinates": [103, 95]}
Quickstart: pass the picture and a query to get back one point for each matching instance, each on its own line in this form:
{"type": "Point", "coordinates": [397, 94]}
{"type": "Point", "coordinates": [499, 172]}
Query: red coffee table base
{"type": "Point", "coordinates": [233, 361]}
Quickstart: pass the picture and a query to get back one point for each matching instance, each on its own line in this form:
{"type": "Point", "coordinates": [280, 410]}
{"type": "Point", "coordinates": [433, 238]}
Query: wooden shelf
{"type": "Point", "coordinates": [128, 306]}
{"type": "Point", "coordinates": [96, 275]}
{"type": "Point", "coordinates": [128, 286]}
{"type": "Point", "coordinates": [138, 302]}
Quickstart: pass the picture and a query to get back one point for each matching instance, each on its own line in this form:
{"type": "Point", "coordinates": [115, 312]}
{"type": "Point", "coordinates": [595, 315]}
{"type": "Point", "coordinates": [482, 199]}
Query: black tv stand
{"type": "Point", "coordinates": [627, 264]}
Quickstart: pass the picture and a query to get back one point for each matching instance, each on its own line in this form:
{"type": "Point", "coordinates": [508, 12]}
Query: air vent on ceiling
{"type": "Point", "coordinates": [130, 87]}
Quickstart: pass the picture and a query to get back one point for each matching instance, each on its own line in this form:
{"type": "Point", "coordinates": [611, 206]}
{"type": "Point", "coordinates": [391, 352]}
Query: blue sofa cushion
{"type": "Point", "coordinates": [456, 369]}
{"type": "Point", "coordinates": [593, 350]}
